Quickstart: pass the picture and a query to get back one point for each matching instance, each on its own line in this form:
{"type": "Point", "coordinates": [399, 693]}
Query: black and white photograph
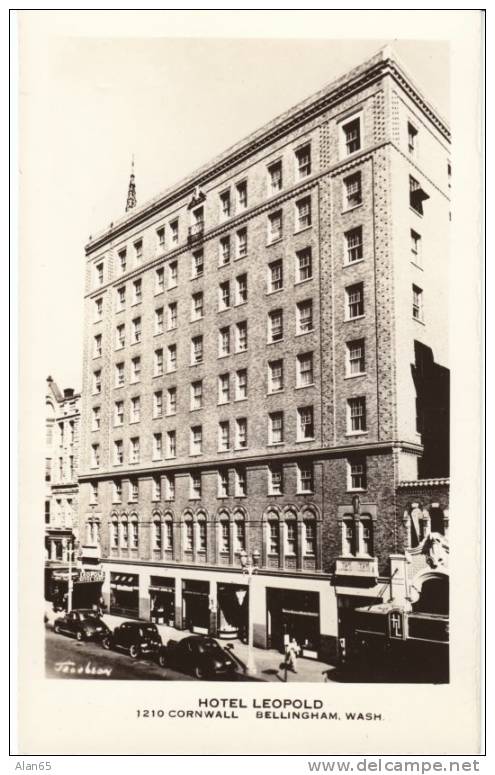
{"type": "Point", "coordinates": [244, 361]}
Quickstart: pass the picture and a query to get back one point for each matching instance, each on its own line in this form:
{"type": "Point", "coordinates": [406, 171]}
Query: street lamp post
{"type": "Point", "coordinates": [250, 566]}
{"type": "Point", "coordinates": [70, 586]}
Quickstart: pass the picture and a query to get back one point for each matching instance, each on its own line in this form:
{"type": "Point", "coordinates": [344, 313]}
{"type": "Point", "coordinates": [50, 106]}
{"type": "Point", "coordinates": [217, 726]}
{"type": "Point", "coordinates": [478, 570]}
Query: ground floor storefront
{"type": "Point", "coordinates": [220, 603]}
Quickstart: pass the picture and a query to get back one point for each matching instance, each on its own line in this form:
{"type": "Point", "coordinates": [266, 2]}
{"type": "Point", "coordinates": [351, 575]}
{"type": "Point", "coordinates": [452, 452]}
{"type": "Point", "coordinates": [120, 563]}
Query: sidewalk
{"type": "Point", "coordinates": [268, 661]}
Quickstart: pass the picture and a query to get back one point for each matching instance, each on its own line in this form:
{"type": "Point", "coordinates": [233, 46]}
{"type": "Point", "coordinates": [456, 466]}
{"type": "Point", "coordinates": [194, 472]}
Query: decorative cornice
{"type": "Point", "coordinates": [212, 463]}
{"type": "Point", "coordinates": [417, 483]}
{"type": "Point", "coordinates": [314, 106]}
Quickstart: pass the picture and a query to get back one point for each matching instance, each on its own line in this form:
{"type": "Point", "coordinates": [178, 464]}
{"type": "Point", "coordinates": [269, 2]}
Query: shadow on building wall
{"type": "Point", "coordinates": [432, 383]}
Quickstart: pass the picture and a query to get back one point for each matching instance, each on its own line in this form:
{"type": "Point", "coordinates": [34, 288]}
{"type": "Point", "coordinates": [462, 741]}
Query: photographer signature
{"type": "Point", "coordinates": [68, 667]}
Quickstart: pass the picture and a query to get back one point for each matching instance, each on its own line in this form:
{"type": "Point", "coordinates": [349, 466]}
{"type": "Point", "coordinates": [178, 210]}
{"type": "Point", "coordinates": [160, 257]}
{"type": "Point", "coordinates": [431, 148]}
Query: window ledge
{"type": "Point", "coordinates": [304, 228]}
{"type": "Point", "coordinates": [306, 280]}
{"type": "Point", "coordinates": [224, 450]}
{"type": "Point", "coordinates": [350, 320]}
{"type": "Point", "coordinates": [351, 434]}
{"type": "Point", "coordinates": [357, 489]}
{"type": "Point", "coordinates": [274, 290]}
{"type": "Point", "coordinates": [224, 309]}
{"type": "Point", "coordinates": [353, 263]}
{"type": "Point", "coordinates": [305, 492]}
{"type": "Point", "coordinates": [276, 341]}
{"type": "Point", "coordinates": [240, 400]}
{"type": "Point", "coordinates": [302, 387]}
{"type": "Point", "coordinates": [275, 392]}
{"type": "Point", "coordinates": [304, 333]}
{"type": "Point", "coordinates": [353, 376]}
{"type": "Point", "coordinates": [240, 303]}
{"type": "Point", "coordinates": [196, 320]}
{"type": "Point", "coordinates": [274, 242]}
{"type": "Point", "coordinates": [351, 209]}
{"type": "Point", "coordinates": [421, 322]}
{"type": "Point", "coordinates": [275, 444]}
{"type": "Point", "coordinates": [304, 441]}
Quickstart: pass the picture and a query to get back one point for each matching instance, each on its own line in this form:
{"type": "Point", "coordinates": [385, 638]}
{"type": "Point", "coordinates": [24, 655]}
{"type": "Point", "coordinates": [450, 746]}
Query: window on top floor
{"type": "Point", "coordinates": [303, 161]}
{"type": "Point", "coordinates": [241, 195]}
{"type": "Point", "coordinates": [100, 273]}
{"type": "Point", "coordinates": [138, 251]}
{"type": "Point", "coordinates": [412, 138]}
{"type": "Point", "coordinates": [225, 204]}
{"type": "Point", "coordinates": [122, 255]}
{"type": "Point", "coordinates": [417, 195]}
{"type": "Point", "coordinates": [275, 177]}
{"type": "Point", "coordinates": [174, 232]}
{"type": "Point", "coordinates": [351, 131]}
{"type": "Point", "coordinates": [160, 238]}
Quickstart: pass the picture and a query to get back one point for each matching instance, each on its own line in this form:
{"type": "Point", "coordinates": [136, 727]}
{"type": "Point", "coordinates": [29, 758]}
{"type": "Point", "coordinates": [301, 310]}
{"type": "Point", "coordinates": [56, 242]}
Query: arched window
{"type": "Point", "coordinates": [169, 534]}
{"type": "Point", "coordinates": [124, 534]}
{"type": "Point", "coordinates": [201, 533]}
{"type": "Point", "coordinates": [290, 537]}
{"type": "Point", "coordinates": [88, 533]}
{"type": "Point", "coordinates": [273, 537]}
{"type": "Point", "coordinates": [309, 532]}
{"type": "Point", "coordinates": [114, 530]}
{"type": "Point", "coordinates": [224, 536]}
{"type": "Point", "coordinates": [348, 537]}
{"type": "Point", "coordinates": [188, 534]}
{"type": "Point", "coordinates": [157, 535]}
{"type": "Point", "coordinates": [366, 536]}
{"type": "Point", "coordinates": [239, 536]}
{"type": "Point", "coordinates": [134, 533]}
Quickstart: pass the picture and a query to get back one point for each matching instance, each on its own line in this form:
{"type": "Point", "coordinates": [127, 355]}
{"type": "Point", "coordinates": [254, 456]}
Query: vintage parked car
{"type": "Point", "coordinates": [137, 638]}
{"type": "Point", "coordinates": [83, 623]}
{"type": "Point", "coordinates": [197, 654]}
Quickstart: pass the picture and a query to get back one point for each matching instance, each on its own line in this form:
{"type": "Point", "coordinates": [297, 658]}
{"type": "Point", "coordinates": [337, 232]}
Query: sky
{"type": "Point", "coordinates": [88, 103]}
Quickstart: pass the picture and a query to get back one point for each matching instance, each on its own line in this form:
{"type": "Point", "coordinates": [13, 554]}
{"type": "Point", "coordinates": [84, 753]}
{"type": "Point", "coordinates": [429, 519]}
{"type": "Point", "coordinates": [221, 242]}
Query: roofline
{"type": "Point", "coordinates": [384, 63]}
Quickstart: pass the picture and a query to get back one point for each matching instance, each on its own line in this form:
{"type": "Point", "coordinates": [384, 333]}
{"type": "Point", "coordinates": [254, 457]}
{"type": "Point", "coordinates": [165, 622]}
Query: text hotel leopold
{"type": "Point", "coordinates": [257, 343]}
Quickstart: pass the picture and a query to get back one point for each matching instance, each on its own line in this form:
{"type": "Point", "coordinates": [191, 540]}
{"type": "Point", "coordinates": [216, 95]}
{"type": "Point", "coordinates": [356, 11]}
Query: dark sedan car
{"type": "Point", "coordinates": [199, 655]}
{"type": "Point", "coordinates": [137, 638]}
{"type": "Point", "coordinates": [84, 624]}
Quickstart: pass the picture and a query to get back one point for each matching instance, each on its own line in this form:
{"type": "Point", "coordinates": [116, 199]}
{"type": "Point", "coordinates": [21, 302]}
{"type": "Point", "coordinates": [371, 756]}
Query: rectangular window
{"type": "Point", "coordinates": [197, 306]}
{"type": "Point", "coordinates": [122, 259]}
{"type": "Point", "coordinates": [118, 417]}
{"type": "Point", "coordinates": [417, 303]}
{"type": "Point", "coordinates": [119, 374]}
{"type": "Point", "coordinates": [173, 274]}
{"type": "Point", "coordinates": [417, 195]}
{"type": "Point", "coordinates": [157, 446]}
{"type": "Point", "coordinates": [305, 478]}
{"type": "Point", "coordinates": [240, 482]}
{"type": "Point", "coordinates": [97, 381]}
{"type": "Point", "coordinates": [275, 226]}
{"type": "Point", "coordinates": [171, 444]}
{"type": "Point", "coordinates": [224, 341]}
{"type": "Point", "coordinates": [134, 450]}
{"type": "Point", "coordinates": [224, 436]}
{"type": "Point", "coordinates": [136, 330]}
{"type": "Point", "coordinates": [304, 316]}
{"type": "Point", "coordinates": [171, 357]}
{"type": "Point", "coordinates": [100, 273]}
{"type": "Point", "coordinates": [275, 276]}
{"type": "Point", "coordinates": [156, 493]}
{"type": "Point", "coordinates": [202, 535]}
{"type": "Point", "coordinates": [223, 490]}
{"type": "Point", "coordinates": [275, 376]}
{"type": "Point", "coordinates": [97, 346]}
{"type": "Point", "coordinates": [157, 404]}
{"type": "Point", "coordinates": [224, 256]}
{"type": "Point", "coordinates": [136, 369]}
{"type": "Point", "coordinates": [172, 316]}
{"type": "Point", "coordinates": [121, 297]}
{"type": "Point", "coordinates": [174, 232]}
{"type": "Point", "coordinates": [354, 244]}
{"type": "Point", "coordinates": [354, 301]}
{"type": "Point", "coordinates": [273, 537]}
{"type": "Point", "coordinates": [98, 309]}
{"type": "Point", "coordinates": [160, 239]}
{"type": "Point", "coordinates": [303, 161]}
{"type": "Point", "coordinates": [416, 247]}
{"type": "Point", "coordinates": [303, 213]}
{"type": "Point", "coordinates": [356, 415]}
{"type": "Point", "coordinates": [275, 177]}
{"type": "Point", "coordinates": [352, 135]}
{"type": "Point", "coordinates": [117, 491]}
{"type": "Point", "coordinates": [304, 265]}
{"type": "Point", "coordinates": [120, 337]}
{"type": "Point", "coordinates": [275, 325]}
{"type": "Point", "coordinates": [242, 195]}
{"type": "Point", "coordinates": [196, 350]}
{"type": "Point", "coordinates": [305, 375]}
{"type": "Point", "coordinates": [96, 418]}
{"type": "Point", "coordinates": [225, 205]}
{"type": "Point", "coordinates": [135, 409]}
{"type": "Point", "coordinates": [196, 440]}
{"type": "Point", "coordinates": [133, 490]}
{"type": "Point", "coordinates": [158, 363]}
{"type": "Point", "coordinates": [241, 336]}
{"type": "Point", "coordinates": [356, 473]}
{"type": "Point", "coordinates": [276, 428]}
{"type": "Point", "coordinates": [276, 480]}
{"type": "Point", "coordinates": [159, 320]}
{"type": "Point", "coordinates": [224, 295]}
{"type": "Point", "coordinates": [352, 191]}
{"type": "Point", "coordinates": [170, 487]}
{"type": "Point", "coordinates": [412, 134]}
{"type": "Point", "coordinates": [223, 389]}
{"type": "Point", "coordinates": [195, 493]}
{"type": "Point", "coordinates": [159, 280]}
{"type": "Point", "coordinates": [137, 287]}
{"type": "Point", "coordinates": [241, 433]}
{"type": "Point", "coordinates": [290, 537]}
{"type": "Point", "coordinates": [171, 401]}
{"type": "Point", "coordinates": [197, 263]}
{"type": "Point", "coordinates": [196, 395]}
{"type": "Point", "coordinates": [309, 537]}
{"type": "Point", "coordinates": [241, 289]}
{"type": "Point", "coordinates": [241, 385]}
{"type": "Point", "coordinates": [242, 247]}
{"type": "Point", "coordinates": [355, 357]}
{"type": "Point", "coordinates": [118, 452]}
{"type": "Point", "coordinates": [305, 423]}
{"type": "Point", "coordinates": [95, 455]}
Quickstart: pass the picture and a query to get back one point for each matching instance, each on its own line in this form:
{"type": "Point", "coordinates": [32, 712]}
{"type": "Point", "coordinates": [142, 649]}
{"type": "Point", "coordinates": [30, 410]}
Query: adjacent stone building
{"type": "Point", "coordinates": [265, 361]}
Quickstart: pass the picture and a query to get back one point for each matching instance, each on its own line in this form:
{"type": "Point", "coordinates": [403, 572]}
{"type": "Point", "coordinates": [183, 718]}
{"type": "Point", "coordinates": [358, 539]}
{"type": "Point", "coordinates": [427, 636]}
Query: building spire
{"type": "Point", "coordinates": [131, 194]}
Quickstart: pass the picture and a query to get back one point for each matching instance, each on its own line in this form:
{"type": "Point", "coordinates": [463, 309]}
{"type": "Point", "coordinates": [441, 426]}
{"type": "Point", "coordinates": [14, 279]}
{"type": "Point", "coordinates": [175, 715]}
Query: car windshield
{"type": "Point", "coordinates": [147, 630]}
{"type": "Point", "coordinates": [209, 647]}
{"type": "Point", "coordinates": [90, 615]}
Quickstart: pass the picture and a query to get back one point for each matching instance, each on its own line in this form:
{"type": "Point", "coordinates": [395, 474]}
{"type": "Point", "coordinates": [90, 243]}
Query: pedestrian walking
{"type": "Point", "coordinates": [292, 651]}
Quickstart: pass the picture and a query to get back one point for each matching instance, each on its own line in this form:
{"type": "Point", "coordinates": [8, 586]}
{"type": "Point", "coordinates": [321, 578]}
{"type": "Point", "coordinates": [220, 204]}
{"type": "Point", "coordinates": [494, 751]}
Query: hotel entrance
{"type": "Point", "coordinates": [233, 604]}
{"type": "Point", "coordinates": [124, 595]}
{"type": "Point", "coordinates": [295, 614]}
{"type": "Point", "coordinates": [196, 606]}
{"type": "Point", "coordinates": [162, 600]}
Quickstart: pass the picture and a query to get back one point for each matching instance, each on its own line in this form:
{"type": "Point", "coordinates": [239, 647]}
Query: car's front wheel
{"type": "Point", "coordinates": [133, 651]}
{"type": "Point", "coordinates": [162, 660]}
{"type": "Point", "coordinates": [79, 635]}
{"type": "Point", "coordinates": [107, 643]}
{"type": "Point", "coordinates": [56, 629]}
{"type": "Point", "coordinates": [199, 673]}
